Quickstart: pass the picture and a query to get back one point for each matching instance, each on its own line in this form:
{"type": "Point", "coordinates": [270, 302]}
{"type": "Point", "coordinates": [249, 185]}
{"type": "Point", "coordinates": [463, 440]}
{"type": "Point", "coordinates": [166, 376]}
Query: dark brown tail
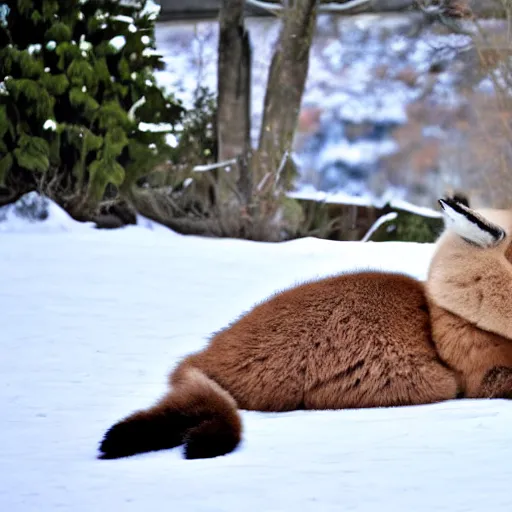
{"type": "Point", "coordinates": [197, 412]}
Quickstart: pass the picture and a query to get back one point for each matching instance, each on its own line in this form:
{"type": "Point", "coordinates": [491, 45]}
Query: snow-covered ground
{"type": "Point", "coordinates": [93, 320]}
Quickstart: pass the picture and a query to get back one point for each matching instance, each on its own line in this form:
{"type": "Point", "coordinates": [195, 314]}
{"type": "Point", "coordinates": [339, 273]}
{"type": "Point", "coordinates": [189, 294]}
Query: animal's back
{"type": "Point", "coordinates": [355, 340]}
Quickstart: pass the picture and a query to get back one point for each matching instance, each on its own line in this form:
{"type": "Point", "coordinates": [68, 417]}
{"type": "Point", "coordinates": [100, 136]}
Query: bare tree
{"type": "Point", "coordinates": [250, 200]}
{"type": "Point", "coordinates": [478, 154]}
{"type": "Point", "coordinates": [287, 77]}
{"type": "Point", "coordinates": [481, 8]}
{"type": "Point", "coordinates": [233, 81]}
{"type": "Point", "coordinates": [256, 177]}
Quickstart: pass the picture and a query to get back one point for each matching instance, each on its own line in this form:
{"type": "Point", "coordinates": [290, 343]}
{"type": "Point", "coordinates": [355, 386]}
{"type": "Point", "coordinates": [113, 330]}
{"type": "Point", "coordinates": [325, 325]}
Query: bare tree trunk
{"type": "Point", "coordinates": [234, 98]}
{"type": "Point", "coordinates": [285, 86]}
{"type": "Point", "coordinates": [233, 81]}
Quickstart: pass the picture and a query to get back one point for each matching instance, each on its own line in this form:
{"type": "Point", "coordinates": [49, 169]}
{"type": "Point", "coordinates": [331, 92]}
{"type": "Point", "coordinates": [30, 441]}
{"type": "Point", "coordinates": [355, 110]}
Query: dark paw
{"type": "Point", "coordinates": [497, 382]}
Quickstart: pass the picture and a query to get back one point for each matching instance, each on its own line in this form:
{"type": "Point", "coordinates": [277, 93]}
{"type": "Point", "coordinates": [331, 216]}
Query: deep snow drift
{"type": "Point", "coordinates": [92, 321]}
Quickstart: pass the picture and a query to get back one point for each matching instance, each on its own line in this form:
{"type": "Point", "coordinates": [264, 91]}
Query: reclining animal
{"type": "Point", "coordinates": [362, 339]}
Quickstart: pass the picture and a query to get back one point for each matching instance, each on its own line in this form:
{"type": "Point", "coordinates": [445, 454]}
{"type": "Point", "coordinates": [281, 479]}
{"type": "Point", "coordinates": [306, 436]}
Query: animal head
{"type": "Point", "coordinates": [470, 274]}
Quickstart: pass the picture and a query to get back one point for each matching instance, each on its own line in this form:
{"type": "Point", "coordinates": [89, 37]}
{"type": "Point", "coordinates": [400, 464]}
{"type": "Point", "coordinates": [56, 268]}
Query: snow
{"type": "Point", "coordinates": [308, 192]}
{"type": "Point", "coordinates": [34, 48]}
{"type": "Point", "coordinates": [155, 127]}
{"type": "Point", "coordinates": [172, 140]}
{"type": "Point", "coordinates": [151, 9]}
{"type": "Point", "coordinates": [148, 52]}
{"type": "Point", "coordinates": [4, 11]}
{"type": "Point", "coordinates": [122, 18]}
{"type": "Point", "coordinates": [135, 106]}
{"type": "Point", "coordinates": [412, 208]}
{"type": "Point", "coordinates": [92, 322]}
{"type": "Point", "coordinates": [84, 45]}
{"type": "Point", "coordinates": [118, 42]}
{"type": "Point", "coordinates": [226, 164]}
{"type": "Point", "coordinates": [50, 124]}
{"type": "Point", "coordinates": [358, 152]}
{"type": "Point", "coordinates": [58, 220]}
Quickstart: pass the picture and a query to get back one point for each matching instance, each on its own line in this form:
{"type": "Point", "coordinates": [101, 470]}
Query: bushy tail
{"type": "Point", "coordinates": [197, 412]}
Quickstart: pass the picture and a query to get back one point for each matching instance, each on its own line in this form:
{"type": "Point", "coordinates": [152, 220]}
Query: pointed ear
{"type": "Point", "coordinates": [470, 225]}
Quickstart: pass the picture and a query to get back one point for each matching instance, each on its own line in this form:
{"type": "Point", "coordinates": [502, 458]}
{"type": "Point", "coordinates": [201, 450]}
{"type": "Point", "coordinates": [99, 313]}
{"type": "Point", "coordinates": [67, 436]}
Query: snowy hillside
{"type": "Point", "coordinates": [382, 97]}
{"type": "Point", "coordinates": [93, 320]}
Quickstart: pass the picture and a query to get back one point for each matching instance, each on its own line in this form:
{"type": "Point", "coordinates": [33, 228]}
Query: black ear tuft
{"type": "Point", "coordinates": [461, 199]}
{"type": "Point", "coordinates": [456, 199]}
{"type": "Point", "coordinates": [453, 203]}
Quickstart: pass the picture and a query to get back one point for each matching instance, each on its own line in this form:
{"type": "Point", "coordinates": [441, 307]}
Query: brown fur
{"type": "Point", "coordinates": [363, 339]}
{"type": "Point", "coordinates": [475, 283]}
{"type": "Point", "coordinates": [470, 294]}
{"type": "Point", "coordinates": [472, 352]}
{"type": "Point", "coordinates": [329, 345]}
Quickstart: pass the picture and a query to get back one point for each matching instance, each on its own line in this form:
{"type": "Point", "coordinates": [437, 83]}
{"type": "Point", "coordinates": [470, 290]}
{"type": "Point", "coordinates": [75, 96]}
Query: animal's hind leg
{"type": "Point", "coordinates": [367, 384]}
{"type": "Point", "coordinates": [433, 382]}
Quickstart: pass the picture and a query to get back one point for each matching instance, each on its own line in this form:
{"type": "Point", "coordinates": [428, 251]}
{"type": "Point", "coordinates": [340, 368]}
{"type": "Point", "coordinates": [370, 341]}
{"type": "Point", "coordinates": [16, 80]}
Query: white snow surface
{"type": "Point", "coordinates": [354, 153]}
{"type": "Point", "coordinates": [92, 322]}
{"type": "Point", "coordinates": [58, 220]}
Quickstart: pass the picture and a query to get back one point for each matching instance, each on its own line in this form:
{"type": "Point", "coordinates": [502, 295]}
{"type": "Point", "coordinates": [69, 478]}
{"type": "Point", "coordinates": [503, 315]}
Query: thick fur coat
{"type": "Point", "coordinates": [363, 339]}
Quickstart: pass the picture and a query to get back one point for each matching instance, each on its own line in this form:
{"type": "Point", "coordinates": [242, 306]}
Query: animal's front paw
{"type": "Point", "coordinates": [497, 383]}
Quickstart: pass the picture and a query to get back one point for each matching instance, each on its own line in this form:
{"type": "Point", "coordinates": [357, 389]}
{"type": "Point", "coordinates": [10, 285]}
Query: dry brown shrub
{"type": "Point", "coordinates": [477, 154]}
{"type": "Point", "coordinates": [464, 145]}
{"type": "Point", "coordinates": [408, 76]}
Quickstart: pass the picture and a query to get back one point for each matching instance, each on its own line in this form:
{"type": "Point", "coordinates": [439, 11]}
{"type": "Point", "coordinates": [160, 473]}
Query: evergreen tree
{"type": "Point", "coordinates": [77, 96]}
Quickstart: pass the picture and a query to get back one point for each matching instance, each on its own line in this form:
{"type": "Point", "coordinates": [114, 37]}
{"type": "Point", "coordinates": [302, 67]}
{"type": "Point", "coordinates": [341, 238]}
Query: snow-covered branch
{"type": "Point", "coordinates": [281, 167]}
{"type": "Point", "coordinates": [135, 106]}
{"type": "Point", "coordinates": [216, 165]}
{"type": "Point", "coordinates": [378, 223]}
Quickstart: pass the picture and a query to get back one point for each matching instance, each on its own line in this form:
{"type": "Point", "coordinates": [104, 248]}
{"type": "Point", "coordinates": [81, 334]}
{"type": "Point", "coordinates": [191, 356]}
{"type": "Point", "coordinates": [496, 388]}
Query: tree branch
{"type": "Point", "coordinates": [329, 7]}
{"type": "Point", "coordinates": [481, 8]}
{"type": "Point", "coordinates": [211, 167]}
